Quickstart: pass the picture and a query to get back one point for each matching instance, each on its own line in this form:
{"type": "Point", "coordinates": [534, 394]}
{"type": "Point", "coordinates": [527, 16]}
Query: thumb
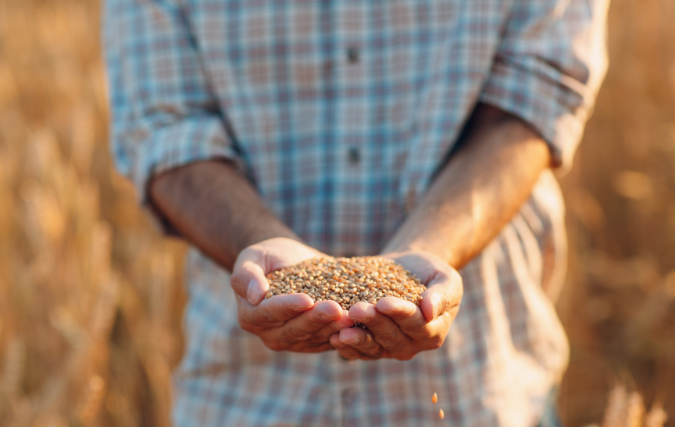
{"type": "Point", "coordinates": [248, 278]}
{"type": "Point", "coordinates": [443, 294]}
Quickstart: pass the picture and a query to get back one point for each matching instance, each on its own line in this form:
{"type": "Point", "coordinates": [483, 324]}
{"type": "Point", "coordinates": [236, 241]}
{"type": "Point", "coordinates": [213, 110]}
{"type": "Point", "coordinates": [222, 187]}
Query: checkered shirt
{"type": "Point", "coordinates": [340, 113]}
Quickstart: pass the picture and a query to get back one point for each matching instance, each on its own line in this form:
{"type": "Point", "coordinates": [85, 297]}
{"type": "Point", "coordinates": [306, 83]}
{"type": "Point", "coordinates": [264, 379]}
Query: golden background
{"type": "Point", "coordinates": [91, 297]}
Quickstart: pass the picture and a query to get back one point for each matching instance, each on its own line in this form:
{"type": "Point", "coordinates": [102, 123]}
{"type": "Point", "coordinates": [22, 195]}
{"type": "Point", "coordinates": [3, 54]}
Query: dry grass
{"type": "Point", "coordinates": [90, 299]}
{"type": "Point", "coordinates": [626, 409]}
{"type": "Point", "coordinates": [618, 306]}
{"type": "Point", "coordinates": [89, 296]}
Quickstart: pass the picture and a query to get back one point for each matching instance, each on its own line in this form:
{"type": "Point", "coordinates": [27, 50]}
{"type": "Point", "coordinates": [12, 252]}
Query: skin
{"type": "Point", "coordinates": [473, 196]}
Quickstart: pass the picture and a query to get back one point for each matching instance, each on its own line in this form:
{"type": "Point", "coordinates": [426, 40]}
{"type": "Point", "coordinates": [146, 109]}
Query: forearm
{"type": "Point", "coordinates": [478, 191]}
{"type": "Point", "coordinates": [215, 208]}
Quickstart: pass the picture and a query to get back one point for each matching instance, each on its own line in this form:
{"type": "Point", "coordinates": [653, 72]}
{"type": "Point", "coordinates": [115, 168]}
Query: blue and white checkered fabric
{"type": "Point", "coordinates": [340, 112]}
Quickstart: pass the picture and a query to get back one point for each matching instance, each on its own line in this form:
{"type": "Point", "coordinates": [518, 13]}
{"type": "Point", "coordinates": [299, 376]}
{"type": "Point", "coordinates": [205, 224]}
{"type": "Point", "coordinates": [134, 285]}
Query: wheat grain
{"type": "Point", "coordinates": [347, 281]}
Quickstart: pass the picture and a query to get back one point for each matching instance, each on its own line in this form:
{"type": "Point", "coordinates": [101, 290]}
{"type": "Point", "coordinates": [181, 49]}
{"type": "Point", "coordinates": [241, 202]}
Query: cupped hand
{"type": "Point", "coordinates": [397, 328]}
{"type": "Point", "coordinates": [292, 322]}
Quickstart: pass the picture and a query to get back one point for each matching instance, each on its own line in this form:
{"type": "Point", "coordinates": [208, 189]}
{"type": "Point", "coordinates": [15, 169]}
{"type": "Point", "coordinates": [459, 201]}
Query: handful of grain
{"type": "Point", "coordinates": [347, 280]}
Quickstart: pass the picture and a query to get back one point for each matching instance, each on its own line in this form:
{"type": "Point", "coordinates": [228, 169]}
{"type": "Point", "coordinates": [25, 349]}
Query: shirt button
{"type": "Point", "coordinates": [353, 55]}
{"type": "Point", "coordinates": [354, 155]}
{"type": "Point", "coordinates": [349, 396]}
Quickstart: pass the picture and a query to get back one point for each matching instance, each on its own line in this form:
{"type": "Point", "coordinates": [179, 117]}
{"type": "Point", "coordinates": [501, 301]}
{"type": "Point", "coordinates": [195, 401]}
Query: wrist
{"type": "Point", "coordinates": [441, 250]}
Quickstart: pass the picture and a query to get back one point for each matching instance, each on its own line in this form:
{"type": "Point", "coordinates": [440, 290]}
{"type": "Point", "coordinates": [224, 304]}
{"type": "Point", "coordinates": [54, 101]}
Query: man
{"type": "Point", "coordinates": [268, 132]}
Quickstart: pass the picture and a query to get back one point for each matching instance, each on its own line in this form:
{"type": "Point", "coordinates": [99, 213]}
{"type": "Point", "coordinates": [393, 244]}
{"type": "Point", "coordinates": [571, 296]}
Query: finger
{"type": "Point", "coordinates": [305, 325]}
{"type": "Point", "coordinates": [323, 334]}
{"type": "Point", "coordinates": [344, 350]}
{"type": "Point", "coordinates": [385, 331]}
{"type": "Point", "coordinates": [362, 341]}
{"type": "Point", "coordinates": [273, 312]}
{"type": "Point", "coordinates": [405, 314]}
{"type": "Point", "coordinates": [248, 279]}
{"type": "Point", "coordinates": [443, 294]}
{"type": "Point", "coordinates": [303, 347]}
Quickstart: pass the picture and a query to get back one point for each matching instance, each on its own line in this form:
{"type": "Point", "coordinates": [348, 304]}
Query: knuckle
{"type": "Point", "coordinates": [268, 318]}
{"type": "Point", "coordinates": [425, 334]}
{"type": "Point", "coordinates": [391, 347]}
{"type": "Point", "coordinates": [393, 340]}
{"type": "Point", "coordinates": [294, 335]}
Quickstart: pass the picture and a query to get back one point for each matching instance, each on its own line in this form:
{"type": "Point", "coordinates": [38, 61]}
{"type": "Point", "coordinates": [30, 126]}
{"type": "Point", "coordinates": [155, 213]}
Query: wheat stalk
{"type": "Point", "coordinates": [656, 417]}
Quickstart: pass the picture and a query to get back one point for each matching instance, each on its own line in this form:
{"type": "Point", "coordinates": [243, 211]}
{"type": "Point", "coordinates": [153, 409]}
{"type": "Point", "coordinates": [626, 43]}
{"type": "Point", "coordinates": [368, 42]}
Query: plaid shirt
{"type": "Point", "coordinates": [340, 112]}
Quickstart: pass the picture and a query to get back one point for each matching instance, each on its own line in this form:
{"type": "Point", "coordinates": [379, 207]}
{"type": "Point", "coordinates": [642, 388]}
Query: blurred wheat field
{"type": "Point", "coordinates": [618, 304]}
{"type": "Point", "coordinates": [91, 297]}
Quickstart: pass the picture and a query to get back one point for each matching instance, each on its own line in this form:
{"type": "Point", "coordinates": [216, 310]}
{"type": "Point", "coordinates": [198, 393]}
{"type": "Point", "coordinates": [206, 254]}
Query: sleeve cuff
{"type": "Point", "coordinates": [192, 139]}
{"type": "Point", "coordinates": [553, 105]}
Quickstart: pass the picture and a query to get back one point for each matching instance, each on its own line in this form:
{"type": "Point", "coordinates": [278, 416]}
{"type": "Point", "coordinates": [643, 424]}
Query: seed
{"type": "Point", "coordinates": [369, 339]}
{"type": "Point", "coordinates": [434, 398]}
{"type": "Point", "coordinates": [441, 414]}
{"type": "Point", "coordinates": [347, 280]}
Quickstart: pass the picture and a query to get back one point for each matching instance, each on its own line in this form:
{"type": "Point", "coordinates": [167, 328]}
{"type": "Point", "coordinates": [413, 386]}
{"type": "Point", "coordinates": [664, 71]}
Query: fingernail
{"type": "Point", "coordinates": [301, 308]}
{"type": "Point", "coordinates": [353, 342]}
{"type": "Point", "coordinates": [253, 292]}
{"type": "Point", "coordinates": [359, 319]}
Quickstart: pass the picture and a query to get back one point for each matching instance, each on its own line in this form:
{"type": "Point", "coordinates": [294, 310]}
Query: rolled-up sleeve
{"type": "Point", "coordinates": [549, 67]}
{"type": "Point", "coordinates": [164, 113]}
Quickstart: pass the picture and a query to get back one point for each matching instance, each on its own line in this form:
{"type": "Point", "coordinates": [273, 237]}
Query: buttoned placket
{"type": "Point", "coordinates": [349, 395]}
{"type": "Point", "coordinates": [354, 151]}
{"type": "Point", "coordinates": [351, 31]}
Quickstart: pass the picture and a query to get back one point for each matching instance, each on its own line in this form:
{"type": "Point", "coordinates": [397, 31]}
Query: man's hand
{"type": "Point", "coordinates": [215, 207]}
{"type": "Point", "coordinates": [473, 196]}
{"type": "Point", "coordinates": [285, 322]}
{"type": "Point", "coordinates": [397, 328]}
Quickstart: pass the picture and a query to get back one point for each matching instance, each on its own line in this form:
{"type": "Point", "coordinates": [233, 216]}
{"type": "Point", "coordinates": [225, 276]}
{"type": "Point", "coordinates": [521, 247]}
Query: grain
{"type": "Point", "coordinates": [347, 281]}
{"type": "Point", "coordinates": [441, 414]}
{"type": "Point", "coordinates": [434, 398]}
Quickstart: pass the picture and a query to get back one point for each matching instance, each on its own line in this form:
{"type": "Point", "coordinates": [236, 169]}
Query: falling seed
{"type": "Point", "coordinates": [441, 414]}
{"type": "Point", "coordinates": [434, 398]}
